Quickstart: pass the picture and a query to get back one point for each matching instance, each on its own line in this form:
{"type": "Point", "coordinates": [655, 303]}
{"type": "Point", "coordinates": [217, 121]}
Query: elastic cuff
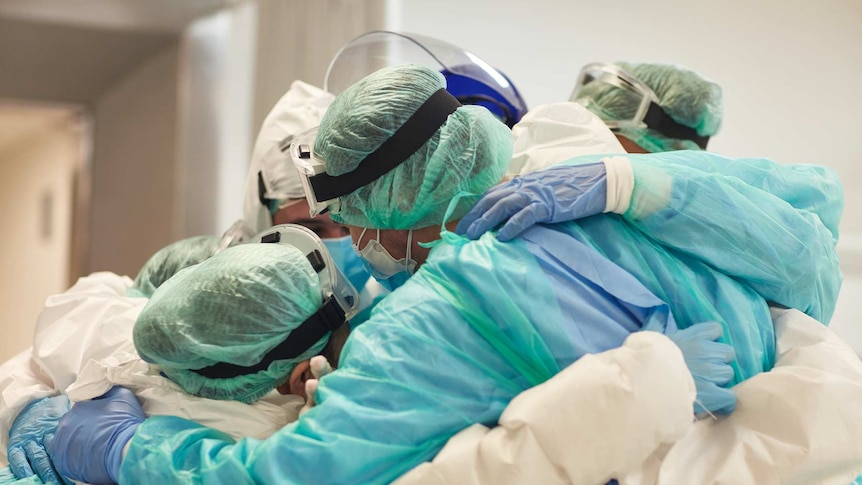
{"type": "Point", "coordinates": [621, 184]}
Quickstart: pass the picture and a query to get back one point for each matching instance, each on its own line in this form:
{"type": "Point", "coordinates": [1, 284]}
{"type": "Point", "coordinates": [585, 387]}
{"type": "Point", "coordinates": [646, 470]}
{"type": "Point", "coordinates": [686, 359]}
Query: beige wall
{"type": "Point", "coordinates": [36, 174]}
{"type": "Point", "coordinates": [132, 206]}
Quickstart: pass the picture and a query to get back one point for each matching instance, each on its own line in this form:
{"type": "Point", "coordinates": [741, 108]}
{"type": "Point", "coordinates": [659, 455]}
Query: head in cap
{"type": "Point", "coordinates": [212, 328]}
{"type": "Point", "coordinates": [171, 259]}
{"type": "Point", "coordinates": [468, 153]}
{"type": "Point", "coordinates": [423, 150]}
{"type": "Point", "coordinates": [685, 96]}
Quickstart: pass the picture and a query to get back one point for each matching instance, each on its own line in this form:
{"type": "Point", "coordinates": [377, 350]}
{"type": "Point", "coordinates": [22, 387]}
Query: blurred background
{"type": "Point", "coordinates": [128, 124]}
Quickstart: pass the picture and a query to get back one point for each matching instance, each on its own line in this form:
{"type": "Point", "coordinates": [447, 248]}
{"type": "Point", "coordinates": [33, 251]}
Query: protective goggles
{"type": "Point", "coordinates": [323, 190]}
{"type": "Point", "coordinates": [469, 78]}
{"type": "Point", "coordinates": [340, 302]}
{"type": "Point", "coordinates": [237, 233]}
{"type": "Point", "coordinates": [636, 106]}
{"type": "Point", "coordinates": [276, 180]}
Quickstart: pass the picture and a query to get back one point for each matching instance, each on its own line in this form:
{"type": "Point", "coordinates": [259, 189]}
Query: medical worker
{"type": "Point", "coordinates": [87, 322]}
{"type": "Point", "coordinates": [229, 314]}
{"type": "Point", "coordinates": [274, 193]}
{"type": "Point", "coordinates": [449, 344]}
{"type": "Point", "coordinates": [652, 107]}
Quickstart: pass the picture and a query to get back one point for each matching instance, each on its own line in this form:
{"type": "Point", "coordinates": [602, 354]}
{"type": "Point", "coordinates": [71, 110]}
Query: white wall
{"type": "Point", "coordinates": [36, 173]}
{"type": "Point", "coordinates": [788, 68]}
{"type": "Point", "coordinates": [132, 206]}
{"type": "Point", "coordinates": [298, 38]}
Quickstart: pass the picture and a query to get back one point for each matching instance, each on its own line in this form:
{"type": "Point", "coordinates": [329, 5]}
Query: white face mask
{"type": "Point", "coordinates": [388, 271]}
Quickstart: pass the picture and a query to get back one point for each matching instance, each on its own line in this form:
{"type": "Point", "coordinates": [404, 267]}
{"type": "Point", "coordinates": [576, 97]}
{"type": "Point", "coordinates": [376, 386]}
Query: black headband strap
{"type": "Point", "coordinates": [657, 119]}
{"type": "Point", "coordinates": [328, 318]}
{"type": "Point", "coordinates": [417, 130]}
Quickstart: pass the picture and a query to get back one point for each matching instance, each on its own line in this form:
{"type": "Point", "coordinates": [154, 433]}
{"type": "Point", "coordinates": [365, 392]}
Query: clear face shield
{"type": "Point", "coordinates": [470, 79]}
{"type": "Point", "coordinates": [634, 97]}
{"type": "Point", "coordinates": [332, 282]}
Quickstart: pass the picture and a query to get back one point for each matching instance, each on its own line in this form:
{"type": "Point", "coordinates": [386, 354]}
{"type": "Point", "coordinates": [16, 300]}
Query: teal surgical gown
{"type": "Point", "coordinates": [481, 321]}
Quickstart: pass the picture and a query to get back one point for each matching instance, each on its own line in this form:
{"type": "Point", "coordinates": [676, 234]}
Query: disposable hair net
{"type": "Point", "coordinates": [686, 96]}
{"type": "Point", "coordinates": [171, 259]}
{"type": "Point", "coordinates": [469, 153]}
{"type": "Point", "coordinates": [233, 308]}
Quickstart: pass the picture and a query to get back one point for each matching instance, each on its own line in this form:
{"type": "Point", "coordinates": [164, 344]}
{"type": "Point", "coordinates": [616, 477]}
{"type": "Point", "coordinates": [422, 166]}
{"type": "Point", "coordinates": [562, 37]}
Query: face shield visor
{"type": "Point", "coordinates": [634, 104]}
{"type": "Point", "coordinates": [469, 78]}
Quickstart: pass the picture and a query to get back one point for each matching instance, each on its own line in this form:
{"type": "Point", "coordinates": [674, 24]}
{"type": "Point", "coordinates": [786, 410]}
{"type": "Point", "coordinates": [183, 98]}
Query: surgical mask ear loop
{"type": "Point", "coordinates": [361, 235]}
{"type": "Point", "coordinates": [409, 245]}
{"type": "Point", "coordinates": [409, 249]}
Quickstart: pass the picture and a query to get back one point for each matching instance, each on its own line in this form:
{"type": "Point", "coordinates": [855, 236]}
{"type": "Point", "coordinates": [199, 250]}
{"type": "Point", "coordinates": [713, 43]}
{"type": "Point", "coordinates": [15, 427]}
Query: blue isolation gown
{"type": "Point", "coordinates": [482, 321]}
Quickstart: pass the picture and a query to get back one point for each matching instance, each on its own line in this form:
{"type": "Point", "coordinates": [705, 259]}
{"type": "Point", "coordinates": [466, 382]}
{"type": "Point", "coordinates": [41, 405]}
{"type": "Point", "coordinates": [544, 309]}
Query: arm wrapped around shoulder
{"type": "Point", "coordinates": [598, 418]}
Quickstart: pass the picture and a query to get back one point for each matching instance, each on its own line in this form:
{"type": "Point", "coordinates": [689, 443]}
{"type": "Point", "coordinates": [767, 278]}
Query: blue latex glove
{"type": "Point", "coordinates": [558, 194]}
{"type": "Point", "coordinates": [709, 364]}
{"type": "Point", "coordinates": [31, 434]}
{"type": "Point", "coordinates": [88, 445]}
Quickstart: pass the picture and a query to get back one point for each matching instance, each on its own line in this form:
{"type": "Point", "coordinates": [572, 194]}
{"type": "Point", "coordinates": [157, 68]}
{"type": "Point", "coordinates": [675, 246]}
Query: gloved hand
{"type": "Point", "coordinates": [319, 368]}
{"type": "Point", "coordinates": [557, 194]}
{"type": "Point", "coordinates": [709, 364]}
{"type": "Point", "coordinates": [88, 445]}
{"type": "Point", "coordinates": [30, 435]}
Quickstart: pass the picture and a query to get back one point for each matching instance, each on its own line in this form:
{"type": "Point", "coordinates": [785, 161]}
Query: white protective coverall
{"type": "Point", "coordinates": [552, 133]}
{"type": "Point", "coordinates": [300, 109]}
{"type": "Point", "coordinates": [83, 346]}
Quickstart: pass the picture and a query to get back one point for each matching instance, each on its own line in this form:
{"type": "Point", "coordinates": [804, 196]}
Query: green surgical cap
{"type": "Point", "coordinates": [234, 308]}
{"type": "Point", "coordinates": [169, 260]}
{"type": "Point", "coordinates": [687, 97]}
{"type": "Point", "coordinates": [469, 153]}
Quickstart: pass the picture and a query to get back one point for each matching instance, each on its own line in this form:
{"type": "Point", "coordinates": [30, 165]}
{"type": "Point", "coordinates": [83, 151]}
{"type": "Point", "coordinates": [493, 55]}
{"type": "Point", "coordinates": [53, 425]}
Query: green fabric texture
{"type": "Point", "coordinates": [234, 308]}
{"type": "Point", "coordinates": [169, 260]}
{"type": "Point", "coordinates": [469, 153]}
{"type": "Point", "coordinates": [685, 95]}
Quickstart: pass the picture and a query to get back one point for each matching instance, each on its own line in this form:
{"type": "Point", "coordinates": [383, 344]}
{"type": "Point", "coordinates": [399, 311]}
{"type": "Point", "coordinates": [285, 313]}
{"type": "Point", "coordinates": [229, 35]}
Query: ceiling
{"type": "Point", "coordinates": [60, 63]}
{"type": "Point", "coordinates": [165, 16]}
{"type": "Point", "coordinates": [18, 121]}
{"type": "Point", "coordinates": [73, 52]}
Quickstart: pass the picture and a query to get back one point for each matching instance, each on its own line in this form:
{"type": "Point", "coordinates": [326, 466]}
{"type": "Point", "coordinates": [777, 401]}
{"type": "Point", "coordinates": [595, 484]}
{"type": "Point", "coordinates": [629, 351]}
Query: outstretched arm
{"type": "Point", "coordinates": [732, 221]}
{"type": "Point", "coordinates": [592, 422]}
{"type": "Point", "coordinates": [785, 254]}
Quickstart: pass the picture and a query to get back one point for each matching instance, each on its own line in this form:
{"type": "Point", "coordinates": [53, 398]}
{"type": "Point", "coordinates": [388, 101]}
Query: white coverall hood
{"type": "Point", "coordinates": [301, 108]}
{"type": "Point", "coordinates": [553, 133]}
